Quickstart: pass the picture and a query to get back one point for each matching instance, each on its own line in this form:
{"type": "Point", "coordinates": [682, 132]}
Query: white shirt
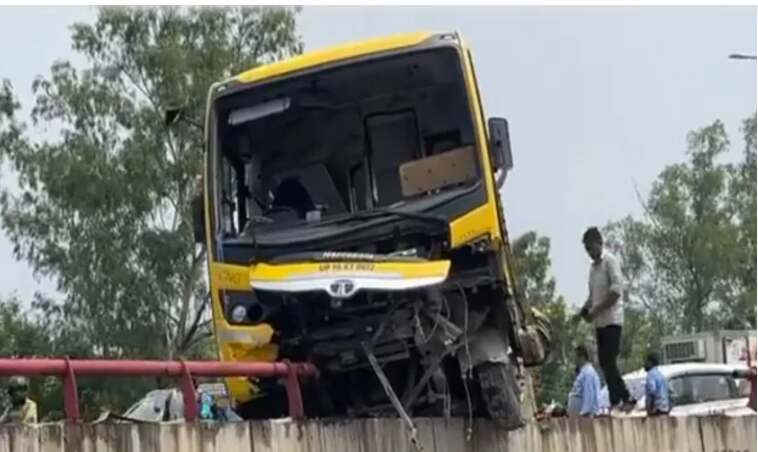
{"type": "Point", "coordinates": [605, 276]}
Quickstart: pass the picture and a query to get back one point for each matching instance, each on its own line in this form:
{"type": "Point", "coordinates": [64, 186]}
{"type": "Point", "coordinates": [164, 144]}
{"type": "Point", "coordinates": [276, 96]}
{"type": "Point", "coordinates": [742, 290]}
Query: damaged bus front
{"type": "Point", "coordinates": [352, 217]}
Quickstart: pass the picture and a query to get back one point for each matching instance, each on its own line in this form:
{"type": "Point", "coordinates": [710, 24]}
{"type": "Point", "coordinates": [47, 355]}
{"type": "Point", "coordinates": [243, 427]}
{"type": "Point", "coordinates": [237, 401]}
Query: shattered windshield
{"type": "Point", "coordinates": [372, 135]}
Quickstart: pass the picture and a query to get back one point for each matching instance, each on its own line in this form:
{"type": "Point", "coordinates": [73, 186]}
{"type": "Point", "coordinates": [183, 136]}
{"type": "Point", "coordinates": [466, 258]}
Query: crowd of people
{"type": "Point", "coordinates": [604, 308]}
{"type": "Point", "coordinates": [587, 397]}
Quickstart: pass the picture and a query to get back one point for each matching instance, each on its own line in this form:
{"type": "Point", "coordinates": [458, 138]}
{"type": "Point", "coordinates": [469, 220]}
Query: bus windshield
{"type": "Point", "coordinates": [366, 135]}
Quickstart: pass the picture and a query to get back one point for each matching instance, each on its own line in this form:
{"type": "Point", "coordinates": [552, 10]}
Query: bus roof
{"type": "Point", "coordinates": [331, 54]}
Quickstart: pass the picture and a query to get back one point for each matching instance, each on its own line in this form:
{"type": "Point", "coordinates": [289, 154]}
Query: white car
{"type": "Point", "coordinates": [695, 389]}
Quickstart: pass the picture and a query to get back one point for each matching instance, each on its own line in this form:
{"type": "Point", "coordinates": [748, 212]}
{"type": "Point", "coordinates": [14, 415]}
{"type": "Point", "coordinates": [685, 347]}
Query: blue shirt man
{"type": "Point", "coordinates": [586, 390]}
{"type": "Point", "coordinates": [656, 388]}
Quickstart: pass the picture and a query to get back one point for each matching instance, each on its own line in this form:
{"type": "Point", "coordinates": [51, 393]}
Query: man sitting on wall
{"type": "Point", "coordinates": [657, 400]}
{"type": "Point", "coordinates": [584, 398]}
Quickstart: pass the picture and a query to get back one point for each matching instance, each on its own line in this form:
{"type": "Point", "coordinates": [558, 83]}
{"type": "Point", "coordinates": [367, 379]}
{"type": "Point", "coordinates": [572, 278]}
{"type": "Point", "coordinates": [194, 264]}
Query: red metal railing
{"type": "Point", "coordinates": [183, 370]}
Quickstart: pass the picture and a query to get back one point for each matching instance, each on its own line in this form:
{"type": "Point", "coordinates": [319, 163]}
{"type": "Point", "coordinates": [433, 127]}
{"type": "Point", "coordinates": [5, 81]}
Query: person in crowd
{"type": "Point", "coordinates": [657, 401]}
{"type": "Point", "coordinates": [22, 409]}
{"type": "Point", "coordinates": [604, 308]}
{"type": "Point", "coordinates": [584, 398]}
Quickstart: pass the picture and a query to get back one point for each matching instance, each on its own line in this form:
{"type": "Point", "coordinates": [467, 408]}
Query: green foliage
{"type": "Point", "coordinates": [690, 232]}
{"type": "Point", "coordinates": [690, 262]}
{"type": "Point", "coordinates": [642, 319]}
{"type": "Point", "coordinates": [104, 209]}
{"type": "Point", "coordinates": [741, 298]}
{"type": "Point", "coordinates": [19, 335]}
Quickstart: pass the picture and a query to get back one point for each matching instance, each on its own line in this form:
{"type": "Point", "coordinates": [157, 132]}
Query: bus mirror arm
{"type": "Point", "coordinates": [500, 179]}
{"type": "Point", "coordinates": [198, 218]}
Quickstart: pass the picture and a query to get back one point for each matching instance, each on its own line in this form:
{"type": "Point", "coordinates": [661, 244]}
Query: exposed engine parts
{"type": "Point", "coordinates": [410, 352]}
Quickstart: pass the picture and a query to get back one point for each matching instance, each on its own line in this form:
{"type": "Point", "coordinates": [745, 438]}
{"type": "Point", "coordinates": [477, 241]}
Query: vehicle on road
{"type": "Point", "coordinates": [696, 389]}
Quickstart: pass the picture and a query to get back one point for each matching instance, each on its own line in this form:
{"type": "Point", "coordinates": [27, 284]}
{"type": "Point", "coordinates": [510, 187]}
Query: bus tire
{"type": "Point", "coordinates": [500, 394]}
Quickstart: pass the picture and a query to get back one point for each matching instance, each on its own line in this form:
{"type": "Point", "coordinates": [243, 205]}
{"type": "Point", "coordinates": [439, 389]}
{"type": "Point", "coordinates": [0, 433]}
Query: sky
{"type": "Point", "coordinates": [599, 99]}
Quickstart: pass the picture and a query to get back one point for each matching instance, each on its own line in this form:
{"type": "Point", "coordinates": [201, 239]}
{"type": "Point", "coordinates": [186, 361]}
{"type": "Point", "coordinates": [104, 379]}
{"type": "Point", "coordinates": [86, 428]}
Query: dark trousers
{"type": "Point", "coordinates": [608, 348]}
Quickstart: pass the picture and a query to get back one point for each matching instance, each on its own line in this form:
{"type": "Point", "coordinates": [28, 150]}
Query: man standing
{"type": "Point", "coordinates": [656, 388]}
{"type": "Point", "coordinates": [604, 308]}
{"type": "Point", "coordinates": [23, 409]}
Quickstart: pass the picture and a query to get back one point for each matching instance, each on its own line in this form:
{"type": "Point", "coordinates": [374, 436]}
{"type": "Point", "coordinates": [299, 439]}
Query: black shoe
{"type": "Point", "coordinates": [628, 405]}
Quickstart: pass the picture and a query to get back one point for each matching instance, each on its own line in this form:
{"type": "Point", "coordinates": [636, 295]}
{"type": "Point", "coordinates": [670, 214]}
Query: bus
{"type": "Point", "coordinates": [351, 210]}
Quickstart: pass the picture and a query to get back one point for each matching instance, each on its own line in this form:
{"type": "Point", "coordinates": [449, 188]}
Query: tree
{"type": "Point", "coordinates": [740, 309]}
{"type": "Point", "coordinates": [105, 209]}
{"type": "Point", "coordinates": [690, 262]}
{"type": "Point", "coordinates": [19, 336]}
{"type": "Point", "coordinates": [699, 240]}
{"type": "Point", "coordinates": [644, 323]}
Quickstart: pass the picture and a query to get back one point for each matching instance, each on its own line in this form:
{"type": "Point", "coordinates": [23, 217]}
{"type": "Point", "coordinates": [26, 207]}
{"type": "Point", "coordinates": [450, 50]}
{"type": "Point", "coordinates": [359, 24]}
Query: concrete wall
{"type": "Point", "coordinates": [714, 434]}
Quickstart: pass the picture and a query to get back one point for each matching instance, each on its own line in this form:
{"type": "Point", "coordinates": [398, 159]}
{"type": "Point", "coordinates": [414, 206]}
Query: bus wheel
{"type": "Point", "coordinates": [500, 393]}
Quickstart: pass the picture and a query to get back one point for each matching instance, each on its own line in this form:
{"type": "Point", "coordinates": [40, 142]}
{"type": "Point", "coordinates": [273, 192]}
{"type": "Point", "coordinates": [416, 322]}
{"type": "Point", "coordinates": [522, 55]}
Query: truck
{"type": "Point", "coordinates": [351, 211]}
{"type": "Point", "coordinates": [718, 346]}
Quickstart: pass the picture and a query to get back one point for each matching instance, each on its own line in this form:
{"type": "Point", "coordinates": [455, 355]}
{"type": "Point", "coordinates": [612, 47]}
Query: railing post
{"type": "Point", "coordinates": [70, 394]}
{"type": "Point", "coordinates": [187, 386]}
{"type": "Point", "coordinates": [294, 396]}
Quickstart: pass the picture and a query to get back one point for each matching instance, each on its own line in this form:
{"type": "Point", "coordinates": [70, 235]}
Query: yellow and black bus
{"type": "Point", "coordinates": [352, 217]}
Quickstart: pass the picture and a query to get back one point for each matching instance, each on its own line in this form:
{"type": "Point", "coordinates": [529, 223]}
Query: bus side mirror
{"type": "Point", "coordinates": [198, 218]}
{"type": "Point", "coordinates": [500, 147]}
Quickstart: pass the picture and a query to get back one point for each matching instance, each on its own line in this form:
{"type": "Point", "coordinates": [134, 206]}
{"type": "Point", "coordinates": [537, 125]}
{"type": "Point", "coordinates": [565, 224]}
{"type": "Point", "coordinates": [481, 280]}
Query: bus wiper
{"type": "Point", "coordinates": [385, 212]}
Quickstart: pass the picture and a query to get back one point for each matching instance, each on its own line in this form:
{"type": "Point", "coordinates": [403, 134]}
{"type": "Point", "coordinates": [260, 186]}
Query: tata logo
{"type": "Point", "coordinates": [341, 288]}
